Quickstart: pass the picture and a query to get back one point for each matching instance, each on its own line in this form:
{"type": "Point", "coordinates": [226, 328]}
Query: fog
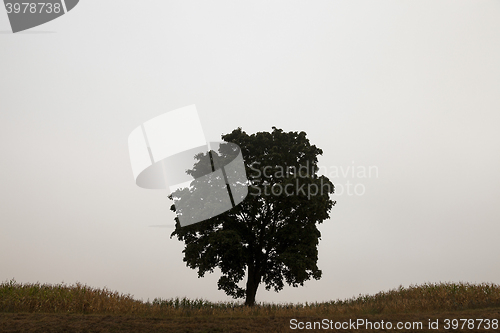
{"type": "Point", "coordinates": [408, 90]}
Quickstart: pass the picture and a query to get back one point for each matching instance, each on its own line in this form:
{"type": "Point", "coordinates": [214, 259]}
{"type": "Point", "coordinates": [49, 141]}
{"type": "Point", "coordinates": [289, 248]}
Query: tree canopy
{"type": "Point", "coordinates": [271, 237]}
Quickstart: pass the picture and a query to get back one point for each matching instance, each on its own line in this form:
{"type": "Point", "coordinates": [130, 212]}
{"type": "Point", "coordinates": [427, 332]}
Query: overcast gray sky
{"type": "Point", "coordinates": [408, 87]}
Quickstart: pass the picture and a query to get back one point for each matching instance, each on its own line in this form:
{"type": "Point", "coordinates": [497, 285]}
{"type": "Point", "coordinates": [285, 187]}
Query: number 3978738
{"type": "Point", "coordinates": [33, 8]}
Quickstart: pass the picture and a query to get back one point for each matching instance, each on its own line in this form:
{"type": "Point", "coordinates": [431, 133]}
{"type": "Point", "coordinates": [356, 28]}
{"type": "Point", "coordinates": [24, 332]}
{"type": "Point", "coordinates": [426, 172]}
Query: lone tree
{"type": "Point", "coordinates": [272, 235]}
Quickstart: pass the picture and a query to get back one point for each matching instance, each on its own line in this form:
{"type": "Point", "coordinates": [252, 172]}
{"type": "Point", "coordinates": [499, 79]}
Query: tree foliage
{"type": "Point", "coordinates": [272, 236]}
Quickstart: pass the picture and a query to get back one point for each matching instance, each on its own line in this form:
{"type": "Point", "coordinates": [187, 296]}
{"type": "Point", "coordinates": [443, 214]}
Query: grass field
{"type": "Point", "coordinates": [80, 308]}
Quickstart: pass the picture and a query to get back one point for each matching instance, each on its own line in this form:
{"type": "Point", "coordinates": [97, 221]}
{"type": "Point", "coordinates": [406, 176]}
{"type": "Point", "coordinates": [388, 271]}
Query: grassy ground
{"type": "Point", "coordinates": [79, 308]}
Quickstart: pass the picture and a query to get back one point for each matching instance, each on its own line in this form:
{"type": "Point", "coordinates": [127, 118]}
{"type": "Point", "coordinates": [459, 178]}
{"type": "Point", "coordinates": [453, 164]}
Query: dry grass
{"type": "Point", "coordinates": [82, 299]}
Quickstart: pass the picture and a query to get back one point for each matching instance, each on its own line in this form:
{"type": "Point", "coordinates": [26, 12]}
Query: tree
{"type": "Point", "coordinates": [272, 235]}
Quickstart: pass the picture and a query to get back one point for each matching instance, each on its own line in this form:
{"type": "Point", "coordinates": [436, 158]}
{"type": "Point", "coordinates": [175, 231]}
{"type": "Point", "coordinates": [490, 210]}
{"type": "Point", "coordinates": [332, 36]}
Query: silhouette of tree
{"type": "Point", "coordinates": [271, 236]}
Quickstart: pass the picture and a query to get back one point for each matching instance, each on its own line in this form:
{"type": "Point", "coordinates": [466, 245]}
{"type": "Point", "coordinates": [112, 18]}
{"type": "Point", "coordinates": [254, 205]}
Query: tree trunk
{"type": "Point", "coordinates": [253, 282]}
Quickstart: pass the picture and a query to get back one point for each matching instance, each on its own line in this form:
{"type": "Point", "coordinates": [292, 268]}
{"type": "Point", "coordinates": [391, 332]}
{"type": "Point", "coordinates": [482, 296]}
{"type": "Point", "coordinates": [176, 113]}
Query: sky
{"type": "Point", "coordinates": [407, 90]}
